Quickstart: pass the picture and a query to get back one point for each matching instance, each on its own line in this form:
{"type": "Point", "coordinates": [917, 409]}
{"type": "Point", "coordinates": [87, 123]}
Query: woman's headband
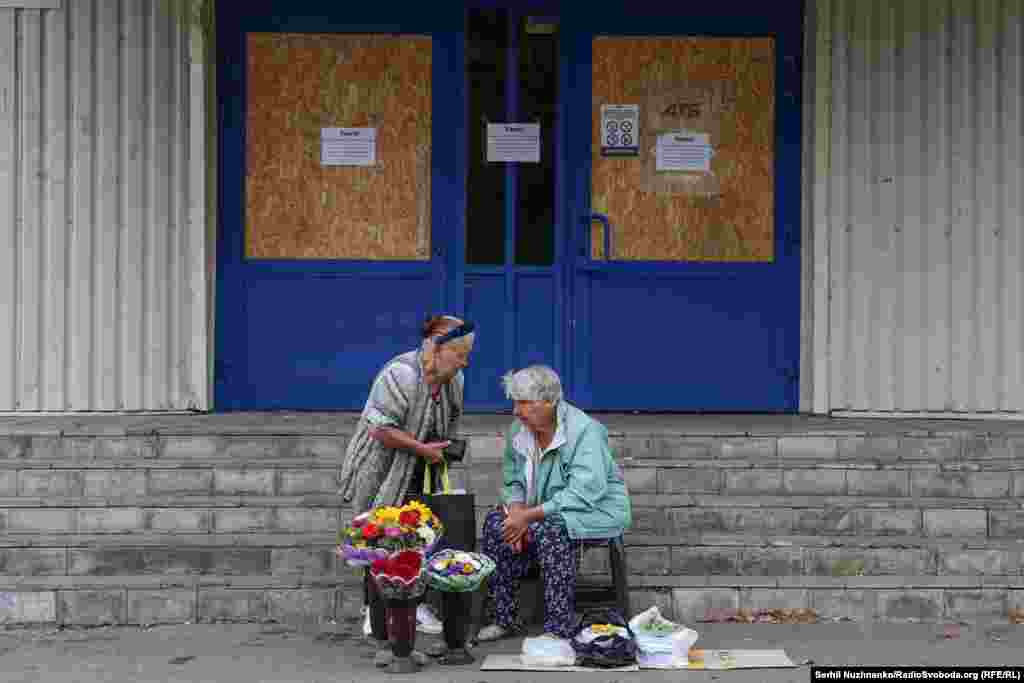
{"type": "Point", "coordinates": [460, 331]}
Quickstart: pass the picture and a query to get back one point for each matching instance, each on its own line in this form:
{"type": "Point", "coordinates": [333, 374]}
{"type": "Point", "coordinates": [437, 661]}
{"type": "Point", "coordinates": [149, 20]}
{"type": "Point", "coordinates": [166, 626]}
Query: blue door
{"type": "Point", "coordinates": [331, 251]}
{"type": "Point", "coordinates": [684, 251]}
{"type": "Point", "coordinates": [659, 278]}
{"type": "Point", "coordinates": [515, 285]}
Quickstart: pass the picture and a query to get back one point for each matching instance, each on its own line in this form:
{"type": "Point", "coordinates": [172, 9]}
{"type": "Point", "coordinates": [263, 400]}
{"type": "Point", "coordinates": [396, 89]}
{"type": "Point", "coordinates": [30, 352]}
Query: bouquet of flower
{"type": "Point", "coordinates": [383, 531]}
{"type": "Point", "coordinates": [456, 571]}
{"type": "Point", "coordinates": [400, 576]}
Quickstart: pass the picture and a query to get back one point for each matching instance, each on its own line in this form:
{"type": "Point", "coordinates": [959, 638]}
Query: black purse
{"type": "Point", "coordinates": [455, 451]}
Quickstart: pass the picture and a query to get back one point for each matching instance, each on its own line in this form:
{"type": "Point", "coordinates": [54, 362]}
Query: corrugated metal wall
{"type": "Point", "coordinates": [917, 205]}
{"type": "Point", "coordinates": [102, 221]}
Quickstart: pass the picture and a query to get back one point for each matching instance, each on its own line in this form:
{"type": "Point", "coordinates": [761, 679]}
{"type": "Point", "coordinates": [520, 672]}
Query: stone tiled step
{"type": "Point", "coordinates": [170, 540]}
{"type": "Point", "coordinates": [113, 559]}
{"type": "Point", "coordinates": [143, 603]}
{"type": "Point", "coordinates": [351, 580]}
{"type": "Point", "coordinates": [143, 600]}
{"type": "Point", "coordinates": [656, 557]}
{"type": "Point", "coordinates": [125, 483]}
{"type": "Point", "coordinates": [783, 541]}
{"type": "Point", "coordinates": [128, 520]}
{"type": "Point", "coordinates": [639, 500]}
{"type": "Point", "coordinates": [938, 519]}
{"type": "Point", "coordinates": [347, 580]}
{"type": "Point", "coordinates": [664, 449]}
{"type": "Point", "coordinates": [924, 480]}
{"type": "Point", "coordinates": [213, 446]}
{"type": "Point", "coordinates": [760, 561]}
{"type": "Point", "coordinates": [173, 501]}
{"type": "Point", "coordinates": [320, 423]}
{"type": "Point", "coordinates": [206, 449]}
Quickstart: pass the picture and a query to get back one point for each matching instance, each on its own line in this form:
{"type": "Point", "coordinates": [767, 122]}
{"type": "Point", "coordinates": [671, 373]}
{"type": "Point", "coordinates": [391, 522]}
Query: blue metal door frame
{"type": "Point", "coordinates": [782, 21]}
{"type": "Point", "coordinates": [235, 388]}
{"type": "Point", "coordinates": [572, 273]}
{"type": "Point", "coordinates": [520, 317]}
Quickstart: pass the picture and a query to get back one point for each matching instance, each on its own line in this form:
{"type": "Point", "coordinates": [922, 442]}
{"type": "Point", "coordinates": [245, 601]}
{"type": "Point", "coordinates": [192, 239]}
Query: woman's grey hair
{"type": "Point", "coordinates": [535, 383]}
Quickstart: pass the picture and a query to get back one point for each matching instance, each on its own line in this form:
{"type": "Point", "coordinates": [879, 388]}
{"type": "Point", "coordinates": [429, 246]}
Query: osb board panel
{"type": "Point", "coordinates": [721, 86]}
{"type": "Point", "coordinates": [298, 209]}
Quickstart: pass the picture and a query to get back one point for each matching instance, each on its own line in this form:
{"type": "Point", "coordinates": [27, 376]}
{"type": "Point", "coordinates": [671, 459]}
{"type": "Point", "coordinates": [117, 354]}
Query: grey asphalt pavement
{"type": "Point", "coordinates": [265, 653]}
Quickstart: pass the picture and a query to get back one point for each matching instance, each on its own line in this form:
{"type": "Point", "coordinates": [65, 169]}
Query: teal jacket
{"type": "Point", "coordinates": [579, 480]}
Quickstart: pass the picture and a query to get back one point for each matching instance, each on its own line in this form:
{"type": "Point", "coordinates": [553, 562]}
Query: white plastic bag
{"type": "Point", "coordinates": [658, 638]}
{"type": "Point", "coordinates": [547, 651]}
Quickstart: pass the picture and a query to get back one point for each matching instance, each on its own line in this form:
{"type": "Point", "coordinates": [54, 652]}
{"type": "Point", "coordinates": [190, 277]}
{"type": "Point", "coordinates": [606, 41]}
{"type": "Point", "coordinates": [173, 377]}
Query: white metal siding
{"type": "Point", "coordinates": [102, 218]}
{"type": "Point", "coordinates": [916, 202]}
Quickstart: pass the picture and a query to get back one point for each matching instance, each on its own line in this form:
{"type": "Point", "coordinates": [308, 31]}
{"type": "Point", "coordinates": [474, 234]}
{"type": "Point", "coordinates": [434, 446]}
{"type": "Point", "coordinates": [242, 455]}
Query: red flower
{"type": "Point", "coordinates": [409, 518]}
{"type": "Point", "coordinates": [371, 531]}
{"type": "Point", "coordinates": [409, 558]}
{"type": "Point", "coordinates": [379, 566]}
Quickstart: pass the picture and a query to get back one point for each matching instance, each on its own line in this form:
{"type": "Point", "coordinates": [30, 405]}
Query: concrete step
{"type": "Point", "coordinates": [152, 600]}
{"type": "Point", "coordinates": [138, 519]}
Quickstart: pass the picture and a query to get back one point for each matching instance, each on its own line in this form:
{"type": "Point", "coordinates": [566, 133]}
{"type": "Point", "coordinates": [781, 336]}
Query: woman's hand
{"type": "Point", "coordinates": [433, 452]}
{"type": "Point", "coordinates": [515, 525]}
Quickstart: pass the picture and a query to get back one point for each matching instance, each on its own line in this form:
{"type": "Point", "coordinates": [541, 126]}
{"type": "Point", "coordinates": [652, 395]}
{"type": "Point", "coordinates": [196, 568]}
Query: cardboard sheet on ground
{"type": "Point", "coordinates": [720, 660]}
{"type": "Point", "coordinates": [515, 663]}
{"type": "Point", "coordinates": [714, 660]}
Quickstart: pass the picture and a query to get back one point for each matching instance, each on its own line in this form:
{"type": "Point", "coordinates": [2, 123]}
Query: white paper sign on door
{"type": "Point", "coordinates": [348, 146]}
{"type": "Point", "coordinates": [620, 129]}
{"type": "Point", "coordinates": [519, 142]}
{"type": "Point", "coordinates": [684, 150]}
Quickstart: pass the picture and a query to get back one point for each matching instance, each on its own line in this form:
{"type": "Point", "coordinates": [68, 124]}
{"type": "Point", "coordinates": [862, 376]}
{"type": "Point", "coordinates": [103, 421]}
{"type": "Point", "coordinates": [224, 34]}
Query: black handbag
{"type": "Point", "coordinates": [605, 651]}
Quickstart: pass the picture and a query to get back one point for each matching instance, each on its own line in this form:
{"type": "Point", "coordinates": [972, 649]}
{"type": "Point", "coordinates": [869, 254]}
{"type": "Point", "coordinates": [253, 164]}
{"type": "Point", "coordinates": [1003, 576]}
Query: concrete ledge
{"type": "Point", "coordinates": [89, 606]}
{"type": "Point", "coordinates": [174, 501]}
{"type": "Point", "coordinates": [169, 539]}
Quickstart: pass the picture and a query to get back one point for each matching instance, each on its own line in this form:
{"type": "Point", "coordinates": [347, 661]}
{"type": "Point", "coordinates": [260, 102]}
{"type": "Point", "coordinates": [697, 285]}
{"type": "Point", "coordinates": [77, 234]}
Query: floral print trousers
{"type": "Point", "coordinates": [558, 556]}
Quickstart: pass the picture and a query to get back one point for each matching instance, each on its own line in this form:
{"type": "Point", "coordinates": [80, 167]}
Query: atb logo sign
{"type": "Point", "coordinates": [620, 124]}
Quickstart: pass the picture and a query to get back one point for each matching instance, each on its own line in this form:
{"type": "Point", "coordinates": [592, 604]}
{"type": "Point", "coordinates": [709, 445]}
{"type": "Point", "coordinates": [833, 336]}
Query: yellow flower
{"type": "Point", "coordinates": [425, 513]}
{"type": "Point", "coordinates": [602, 629]}
{"type": "Point", "coordinates": [467, 569]}
{"type": "Point", "coordinates": [387, 514]}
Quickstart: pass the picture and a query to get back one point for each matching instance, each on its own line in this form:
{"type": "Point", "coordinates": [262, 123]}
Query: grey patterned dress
{"type": "Point", "coordinates": [373, 475]}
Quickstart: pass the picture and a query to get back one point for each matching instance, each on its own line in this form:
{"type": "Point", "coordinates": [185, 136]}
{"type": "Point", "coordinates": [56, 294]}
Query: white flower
{"type": "Point", "coordinates": [427, 534]}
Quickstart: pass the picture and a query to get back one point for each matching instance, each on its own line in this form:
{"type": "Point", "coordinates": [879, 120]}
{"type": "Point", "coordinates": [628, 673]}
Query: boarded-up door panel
{"type": "Point", "coordinates": [724, 87]}
{"type": "Point", "coordinates": [297, 208]}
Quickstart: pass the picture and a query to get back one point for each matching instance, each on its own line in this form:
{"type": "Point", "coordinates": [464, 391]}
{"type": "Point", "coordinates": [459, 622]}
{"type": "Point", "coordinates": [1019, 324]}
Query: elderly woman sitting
{"type": "Point", "coordinates": [562, 488]}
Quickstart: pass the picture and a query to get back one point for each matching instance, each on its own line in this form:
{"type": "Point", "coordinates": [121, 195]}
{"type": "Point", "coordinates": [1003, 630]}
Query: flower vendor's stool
{"type": "Point", "coordinates": [614, 594]}
{"type": "Point", "coordinates": [589, 593]}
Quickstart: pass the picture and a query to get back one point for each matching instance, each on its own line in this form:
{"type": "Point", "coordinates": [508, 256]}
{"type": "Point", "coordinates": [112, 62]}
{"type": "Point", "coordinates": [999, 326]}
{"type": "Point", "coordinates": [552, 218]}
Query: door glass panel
{"type": "Point", "coordinates": [297, 208]}
{"type": "Point", "coordinates": [538, 103]}
{"type": "Point", "coordinates": [486, 59]}
{"type": "Point", "coordinates": [721, 87]}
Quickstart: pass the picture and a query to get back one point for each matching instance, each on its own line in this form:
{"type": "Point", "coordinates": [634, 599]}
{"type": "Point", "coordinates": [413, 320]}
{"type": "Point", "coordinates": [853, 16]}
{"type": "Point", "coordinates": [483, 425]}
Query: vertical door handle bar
{"type": "Point", "coordinates": [607, 226]}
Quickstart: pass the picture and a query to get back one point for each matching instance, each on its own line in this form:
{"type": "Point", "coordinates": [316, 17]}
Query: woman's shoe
{"type": "Point", "coordinates": [494, 632]}
{"type": "Point", "coordinates": [384, 656]}
{"type": "Point", "coordinates": [427, 621]}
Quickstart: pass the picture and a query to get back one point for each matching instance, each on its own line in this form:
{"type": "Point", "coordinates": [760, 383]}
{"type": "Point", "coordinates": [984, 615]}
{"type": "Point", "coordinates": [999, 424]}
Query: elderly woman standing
{"type": "Point", "coordinates": [414, 405]}
{"type": "Point", "coordinates": [562, 488]}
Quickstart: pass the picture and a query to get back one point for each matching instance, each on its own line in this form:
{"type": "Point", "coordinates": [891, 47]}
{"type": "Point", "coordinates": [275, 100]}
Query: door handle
{"type": "Point", "coordinates": [607, 233]}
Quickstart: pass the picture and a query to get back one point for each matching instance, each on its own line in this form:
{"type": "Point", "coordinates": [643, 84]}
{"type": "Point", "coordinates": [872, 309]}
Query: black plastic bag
{"type": "Point", "coordinates": [605, 651]}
